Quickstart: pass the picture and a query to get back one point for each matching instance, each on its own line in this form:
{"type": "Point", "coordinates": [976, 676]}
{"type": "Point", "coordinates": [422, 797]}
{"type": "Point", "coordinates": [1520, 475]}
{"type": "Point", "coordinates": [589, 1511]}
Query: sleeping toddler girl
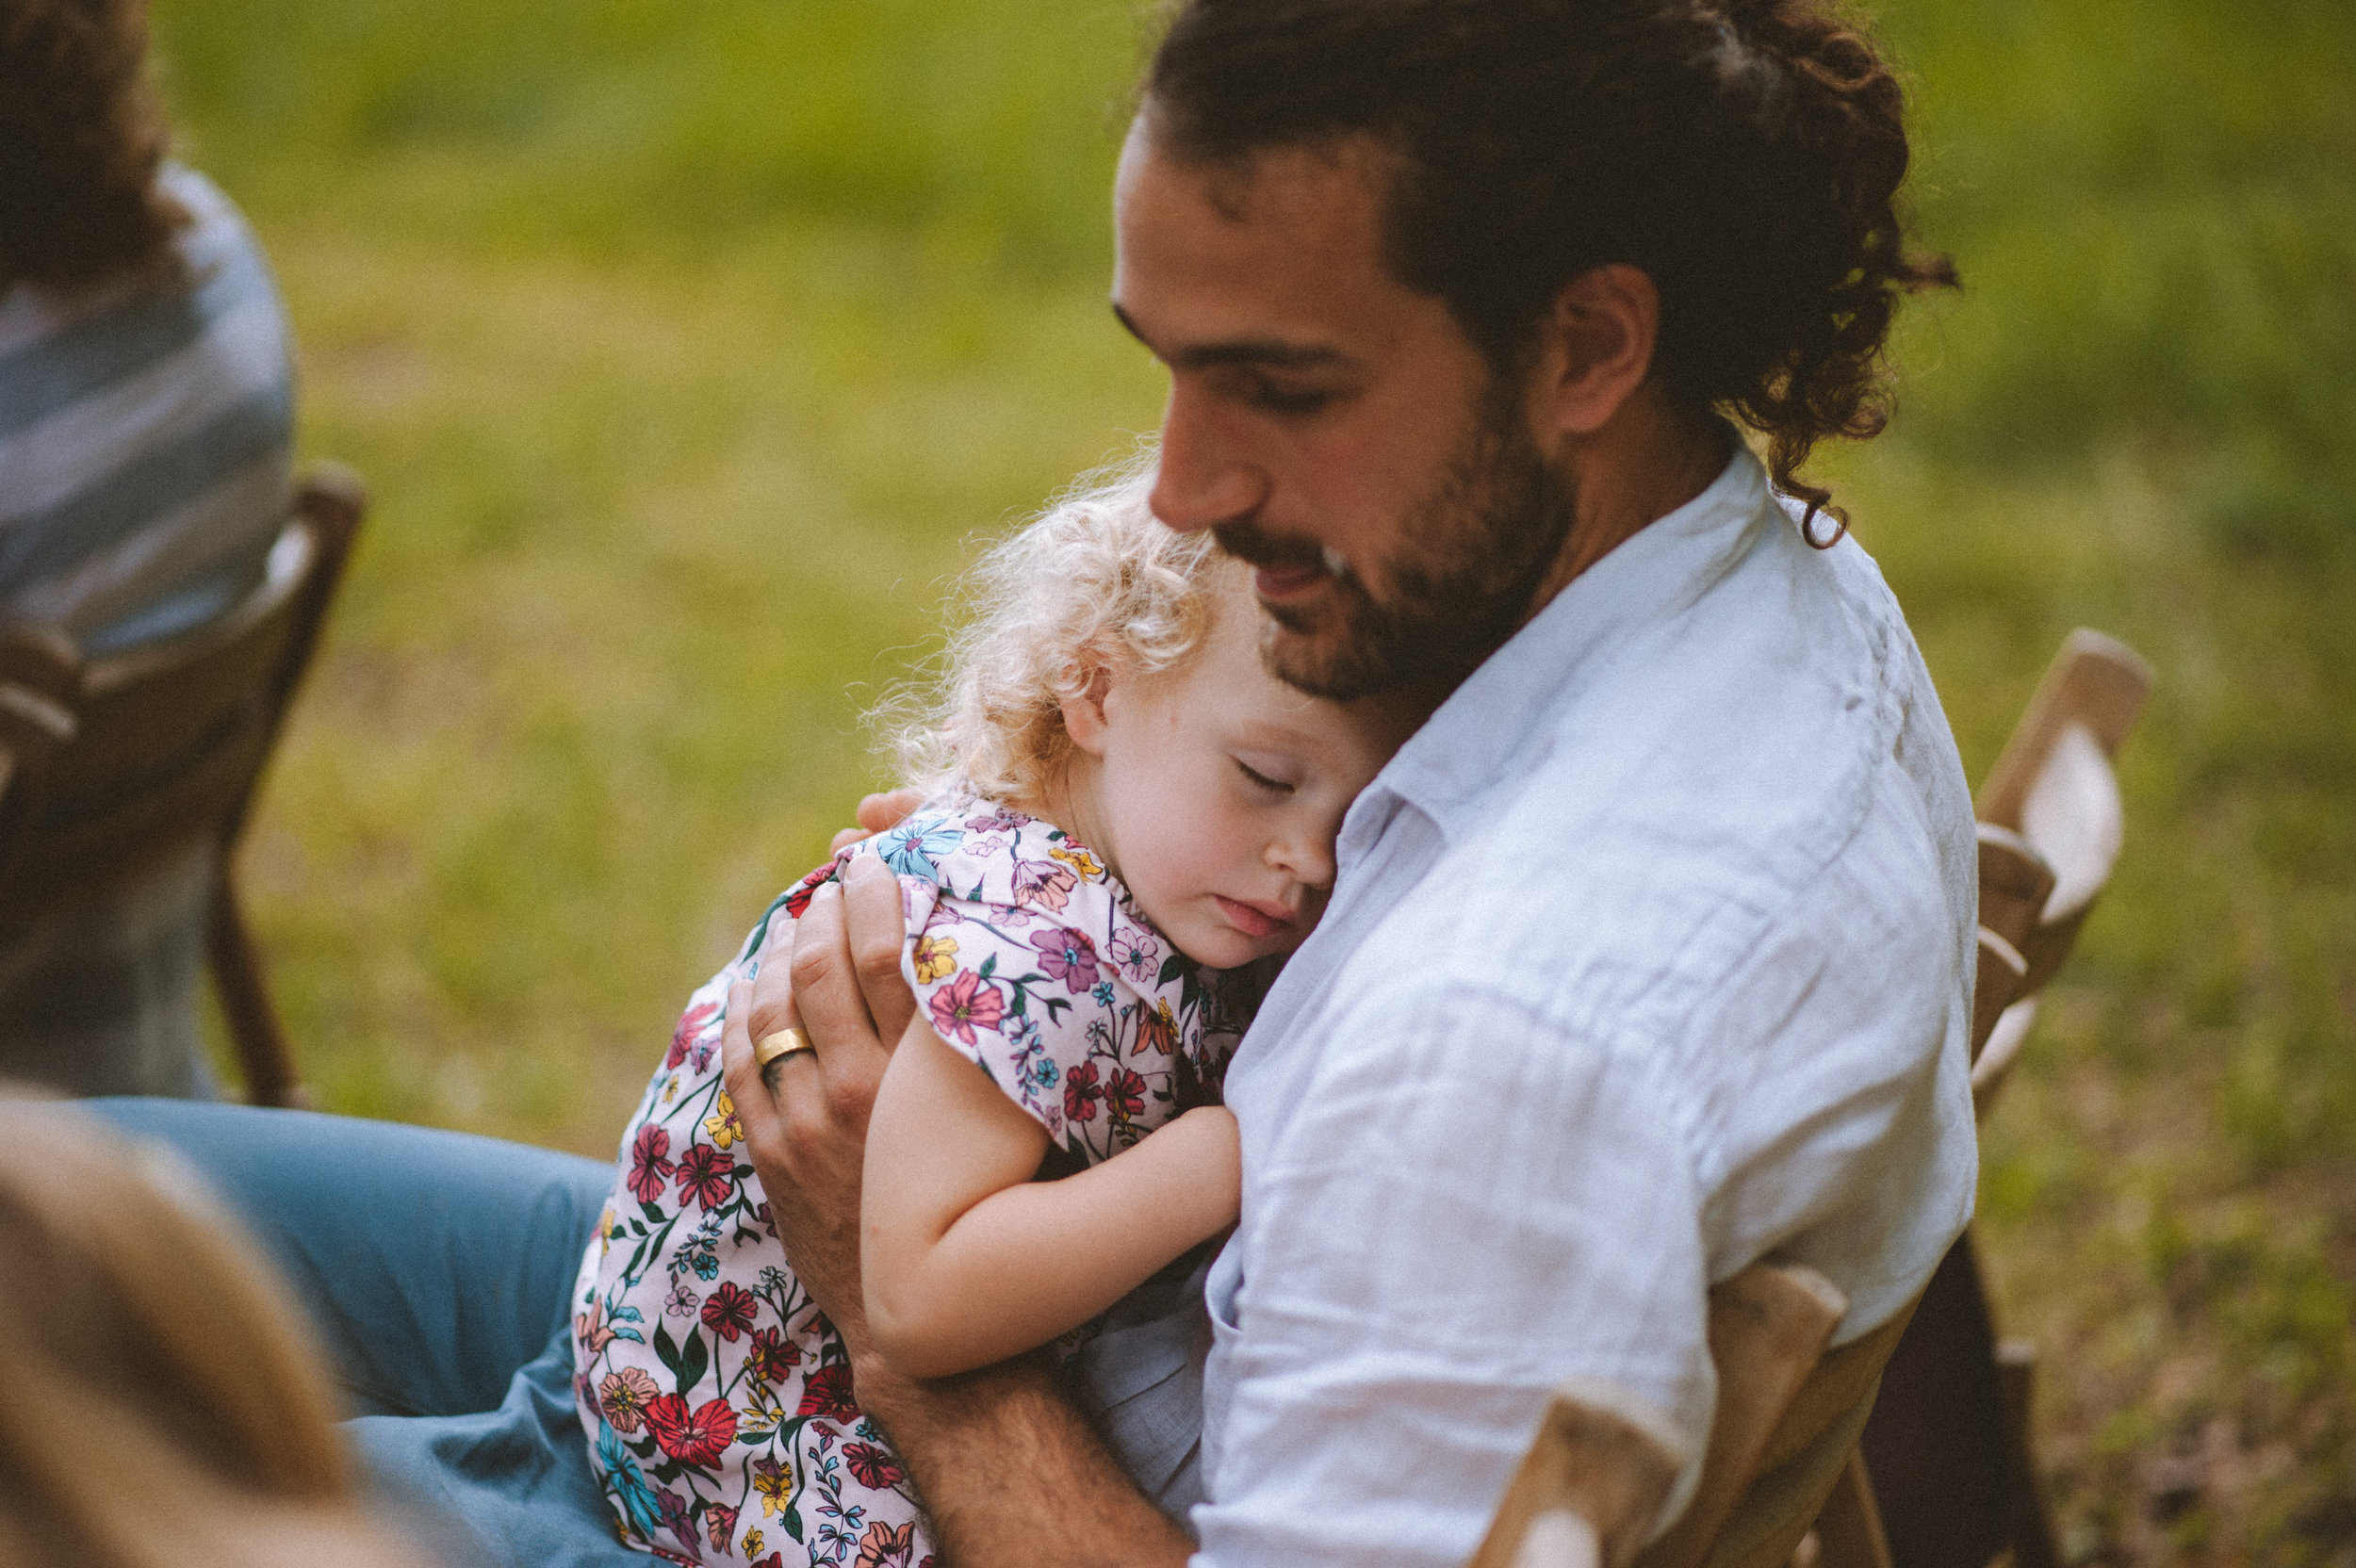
{"type": "Point", "coordinates": [1128, 813]}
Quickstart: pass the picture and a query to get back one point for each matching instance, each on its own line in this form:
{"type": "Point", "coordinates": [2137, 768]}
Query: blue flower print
{"type": "Point", "coordinates": [627, 1482]}
{"type": "Point", "coordinates": [910, 848]}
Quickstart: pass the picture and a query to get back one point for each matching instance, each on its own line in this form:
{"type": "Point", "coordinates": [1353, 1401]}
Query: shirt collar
{"type": "Point", "coordinates": [1468, 746]}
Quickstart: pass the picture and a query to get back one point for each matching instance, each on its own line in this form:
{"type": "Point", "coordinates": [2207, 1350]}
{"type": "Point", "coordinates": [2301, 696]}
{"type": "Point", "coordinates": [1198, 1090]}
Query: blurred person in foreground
{"type": "Point", "coordinates": [146, 416]}
{"type": "Point", "coordinates": [165, 1405]}
{"type": "Point", "coordinates": [1650, 953]}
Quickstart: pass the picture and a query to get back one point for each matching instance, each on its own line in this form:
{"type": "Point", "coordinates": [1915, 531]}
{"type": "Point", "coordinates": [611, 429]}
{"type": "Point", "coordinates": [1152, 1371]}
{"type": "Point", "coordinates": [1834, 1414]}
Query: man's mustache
{"type": "Point", "coordinates": [1254, 545]}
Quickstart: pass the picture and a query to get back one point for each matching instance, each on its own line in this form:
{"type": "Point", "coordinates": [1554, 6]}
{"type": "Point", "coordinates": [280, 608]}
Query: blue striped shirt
{"type": "Point", "coordinates": [145, 434]}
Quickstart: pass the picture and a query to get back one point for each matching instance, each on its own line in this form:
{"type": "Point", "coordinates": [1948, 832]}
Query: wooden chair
{"type": "Point", "coordinates": [1948, 1444]}
{"type": "Point", "coordinates": [109, 767]}
{"type": "Point", "coordinates": [1781, 1459]}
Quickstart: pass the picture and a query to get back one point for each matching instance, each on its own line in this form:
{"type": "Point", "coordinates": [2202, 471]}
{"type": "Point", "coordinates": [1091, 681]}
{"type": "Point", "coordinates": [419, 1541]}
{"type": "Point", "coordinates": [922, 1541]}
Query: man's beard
{"type": "Point", "coordinates": [1472, 556]}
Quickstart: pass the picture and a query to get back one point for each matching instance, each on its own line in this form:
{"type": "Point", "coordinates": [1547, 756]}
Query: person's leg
{"type": "Point", "coordinates": [434, 1263]}
{"type": "Point", "coordinates": [437, 1266]}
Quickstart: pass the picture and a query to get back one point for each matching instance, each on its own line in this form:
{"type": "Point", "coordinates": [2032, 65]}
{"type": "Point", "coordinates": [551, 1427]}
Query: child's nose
{"type": "Point", "coordinates": [1308, 858]}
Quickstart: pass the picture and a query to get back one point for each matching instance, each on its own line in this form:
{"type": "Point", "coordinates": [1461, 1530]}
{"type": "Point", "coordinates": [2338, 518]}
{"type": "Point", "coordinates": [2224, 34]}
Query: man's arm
{"type": "Point", "coordinates": [1010, 1474]}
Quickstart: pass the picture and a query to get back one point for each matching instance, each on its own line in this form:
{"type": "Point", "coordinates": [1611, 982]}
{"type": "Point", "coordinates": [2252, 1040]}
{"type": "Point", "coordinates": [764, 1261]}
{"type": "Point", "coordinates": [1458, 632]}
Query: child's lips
{"type": "Point", "coordinates": [1254, 919]}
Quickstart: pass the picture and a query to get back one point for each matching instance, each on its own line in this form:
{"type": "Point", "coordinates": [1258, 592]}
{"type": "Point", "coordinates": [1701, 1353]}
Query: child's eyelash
{"type": "Point", "coordinates": [1263, 780]}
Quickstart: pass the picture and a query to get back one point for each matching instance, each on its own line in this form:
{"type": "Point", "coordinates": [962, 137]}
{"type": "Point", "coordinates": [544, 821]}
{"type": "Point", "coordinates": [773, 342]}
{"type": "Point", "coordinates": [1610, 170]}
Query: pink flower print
{"type": "Point", "coordinates": [1157, 1031]}
{"type": "Point", "coordinates": [1125, 1094]}
{"type": "Point", "coordinates": [706, 1176]}
{"type": "Point", "coordinates": [719, 1524]}
{"type": "Point", "coordinates": [650, 1162]}
{"type": "Point", "coordinates": [1067, 955]}
{"type": "Point", "coordinates": [967, 1004]}
{"type": "Point", "coordinates": [682, 1301]}
{"type": "Point", "coordinates": [691, 1023]}
{"type": "Point", "coordinates": [1043, 883]}
{"type": "Point", "coordinates": [729, 1310]}
{"type": "Point", "coordinates": [624, 1397]}
{"type": "Point", "coordinates": [591, 1329]}
{"type": "Point", "coordinates": [1135, 951]}
{"type": "Point", "coordinates": [887, 1546]}
{"type": "Point", "coordinates": [1080, 1093]}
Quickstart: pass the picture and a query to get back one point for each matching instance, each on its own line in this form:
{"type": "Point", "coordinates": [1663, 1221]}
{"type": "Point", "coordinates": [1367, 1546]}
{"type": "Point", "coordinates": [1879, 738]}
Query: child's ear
{"type": "Point", "coordinates": [1084, 714]}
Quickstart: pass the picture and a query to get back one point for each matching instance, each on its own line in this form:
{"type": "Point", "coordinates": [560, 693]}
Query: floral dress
{"type": "Point", "coordinates": [717, 1398]}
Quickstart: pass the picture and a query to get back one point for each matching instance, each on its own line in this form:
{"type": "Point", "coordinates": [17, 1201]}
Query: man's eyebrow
{"type": "Point", "coordinates": [1273, 353]}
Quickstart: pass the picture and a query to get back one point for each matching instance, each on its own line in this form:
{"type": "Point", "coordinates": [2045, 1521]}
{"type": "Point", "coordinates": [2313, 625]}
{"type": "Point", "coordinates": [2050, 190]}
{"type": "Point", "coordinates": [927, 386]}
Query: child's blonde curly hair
{"type": "Point", "coordinates": [1094, 584]}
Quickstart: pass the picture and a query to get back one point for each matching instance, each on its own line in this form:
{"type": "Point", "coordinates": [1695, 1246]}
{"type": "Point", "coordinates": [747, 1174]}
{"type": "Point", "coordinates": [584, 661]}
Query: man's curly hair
{"type": "Point", "coordinates": [82, 134]}
{"type": "Point", "coordinates": [1745, 155]}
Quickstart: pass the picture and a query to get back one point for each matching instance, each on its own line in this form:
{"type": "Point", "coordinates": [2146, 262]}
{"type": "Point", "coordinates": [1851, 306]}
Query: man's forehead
{"type": "Point", "coordinates": [1282, 248]}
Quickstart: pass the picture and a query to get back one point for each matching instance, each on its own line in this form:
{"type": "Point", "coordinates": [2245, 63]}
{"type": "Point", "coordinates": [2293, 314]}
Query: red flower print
{"type": "Point", "coordinates": [1125, 1094]}
{"type": "Point", "coordinates": [691, 1023]}
{"type": "Point", "coordinates": [770, 1356]}
{"type": "Point", "coordinates": [729, 1310]}
{"type": "Point", "coordinates": [1067, 955]}
{"type": "Point", "coordinates": [884, 1547]}
{"type": "Point", "coordinates": [650, 1162]}
{"type": "Point", "coordinates": [706, 1176]}
{"type": "Point", "coordinates": [698, 1439]}
{"type": "Point", "coordinates": [872, 1467]}
{"type": "Point", "coordinates": [1043, 883]}
{"type": "Point", "coordinates": [828, 1394]}
{"type": "Point", "coordinates": [967, 1004]}
{"type": "Point", "coordinates": [806, 888]}
{"type": "Point", "coordinates": [719, 1524]}
{"type": "Point", "coordinates": [1080, 1093]}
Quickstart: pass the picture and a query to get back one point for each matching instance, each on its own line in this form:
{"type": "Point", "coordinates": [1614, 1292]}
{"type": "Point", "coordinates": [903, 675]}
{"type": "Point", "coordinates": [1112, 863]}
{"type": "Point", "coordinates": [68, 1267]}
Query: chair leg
{"type": "Point", "coordinates": [1849, 1530]}
{"type": "Point", "coordinates": [2030, 1517]}
{"type": "Point", "coordinates": [253, 1026]}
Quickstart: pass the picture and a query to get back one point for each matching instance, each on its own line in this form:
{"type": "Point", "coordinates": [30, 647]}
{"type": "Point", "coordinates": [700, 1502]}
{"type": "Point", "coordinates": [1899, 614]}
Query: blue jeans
{"type": "Point", "coordinates": [436, 1268]}
{"type": "Point", "coordinates": [439, 1269]}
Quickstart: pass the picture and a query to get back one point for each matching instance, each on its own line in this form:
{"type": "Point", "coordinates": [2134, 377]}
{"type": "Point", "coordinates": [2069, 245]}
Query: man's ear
{"type": "Point", "coordinates": [1595, 349]}
{"type": "Point", "coordinates": [1084, 714]}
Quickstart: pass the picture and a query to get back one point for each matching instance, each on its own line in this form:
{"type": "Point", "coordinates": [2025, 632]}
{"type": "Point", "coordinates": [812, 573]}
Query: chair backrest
{"type": "Point", "coordinates": [161, 745]}
{"type": "Point", "coordinates": [1788, 1418]}
{"type": "Point", "coordinates": [2054, 798]}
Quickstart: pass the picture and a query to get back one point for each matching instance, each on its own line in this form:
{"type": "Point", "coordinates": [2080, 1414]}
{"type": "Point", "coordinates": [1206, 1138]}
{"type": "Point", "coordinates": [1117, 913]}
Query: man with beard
{"type": "Point", "coordinates": [1650, 955]}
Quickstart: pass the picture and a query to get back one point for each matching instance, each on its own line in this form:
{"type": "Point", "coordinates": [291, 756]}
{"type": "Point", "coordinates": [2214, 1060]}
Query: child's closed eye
{"type": "Point", "coordinates": [1274, 786]}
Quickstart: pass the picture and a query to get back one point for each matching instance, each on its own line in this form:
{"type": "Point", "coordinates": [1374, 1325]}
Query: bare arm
{"type": "Point", "coordinates": [1012, 1476]}
{"type": "Point", "coordinates": [966, 1260]}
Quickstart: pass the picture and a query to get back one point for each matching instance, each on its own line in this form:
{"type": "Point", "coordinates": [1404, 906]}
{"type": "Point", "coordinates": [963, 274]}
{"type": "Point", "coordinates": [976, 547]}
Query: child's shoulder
{"type": "Point", "coordinates": [981, 852]}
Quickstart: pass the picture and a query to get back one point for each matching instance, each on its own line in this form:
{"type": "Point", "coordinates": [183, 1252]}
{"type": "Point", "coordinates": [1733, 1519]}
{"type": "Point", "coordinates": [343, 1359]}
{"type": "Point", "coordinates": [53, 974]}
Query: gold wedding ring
{"type": "Point", "coordinates": [777, 1047]}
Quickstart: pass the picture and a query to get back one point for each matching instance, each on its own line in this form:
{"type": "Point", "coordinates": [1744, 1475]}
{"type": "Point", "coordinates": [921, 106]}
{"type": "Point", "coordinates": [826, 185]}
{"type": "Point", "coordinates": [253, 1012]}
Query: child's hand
{"type": "Point", "coordinates": [879, 813]}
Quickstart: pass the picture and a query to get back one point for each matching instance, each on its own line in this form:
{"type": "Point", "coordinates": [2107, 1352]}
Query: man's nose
{"type": "Point", "coordinates": [1204, 477]}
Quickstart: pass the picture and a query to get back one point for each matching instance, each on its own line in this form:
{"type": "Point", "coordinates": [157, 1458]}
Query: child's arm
{"type": "Point", "coordinates": [966, 1261]}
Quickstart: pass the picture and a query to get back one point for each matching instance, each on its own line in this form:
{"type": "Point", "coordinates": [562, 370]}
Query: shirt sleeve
{"type": "Point", "coordinates": [1382, 1290]}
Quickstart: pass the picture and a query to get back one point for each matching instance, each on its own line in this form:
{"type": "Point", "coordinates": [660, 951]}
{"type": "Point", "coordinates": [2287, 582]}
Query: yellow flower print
{"type": "Point", "coordinates": [752, 1543]}
{"type": "Point", "coordinates": [670, 1090]}
{"type": "Point", "coordinates": [775, 1483]}
{"type": "Point", "coordinates": [722, 1124]}
{"type": "Point", "coordinates": [933, 958]}
{"type": "Point", "coordinates": [1078, 859]}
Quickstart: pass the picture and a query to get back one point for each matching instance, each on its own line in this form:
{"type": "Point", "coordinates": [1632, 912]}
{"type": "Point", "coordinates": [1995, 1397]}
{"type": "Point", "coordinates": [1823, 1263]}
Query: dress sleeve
{"type": "Point", "coordinates": [1038, 1000]}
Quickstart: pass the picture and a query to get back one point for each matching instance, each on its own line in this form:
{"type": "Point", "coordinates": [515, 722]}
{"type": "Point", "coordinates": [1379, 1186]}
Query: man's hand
{"type": "Point", "coordinates": [836, 972]}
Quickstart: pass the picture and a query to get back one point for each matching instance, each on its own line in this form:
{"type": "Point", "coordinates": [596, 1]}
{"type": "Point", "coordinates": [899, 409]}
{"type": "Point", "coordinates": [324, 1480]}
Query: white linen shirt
{"type": "Point", "coordinates": [1649, 954]}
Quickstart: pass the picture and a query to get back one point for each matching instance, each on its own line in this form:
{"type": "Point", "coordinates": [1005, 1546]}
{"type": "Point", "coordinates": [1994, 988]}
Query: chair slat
{"type": "Point", "coordinates": [2002, 971]}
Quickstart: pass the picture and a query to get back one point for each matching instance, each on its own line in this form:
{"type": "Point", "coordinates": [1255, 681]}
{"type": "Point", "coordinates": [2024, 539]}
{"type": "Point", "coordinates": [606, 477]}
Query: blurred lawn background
{"type": "Point", "coordinates": [687, 350]}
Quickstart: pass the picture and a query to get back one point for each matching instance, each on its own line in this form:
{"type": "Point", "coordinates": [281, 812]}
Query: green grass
{"type": "Point", "coordinates": [685, 349]}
